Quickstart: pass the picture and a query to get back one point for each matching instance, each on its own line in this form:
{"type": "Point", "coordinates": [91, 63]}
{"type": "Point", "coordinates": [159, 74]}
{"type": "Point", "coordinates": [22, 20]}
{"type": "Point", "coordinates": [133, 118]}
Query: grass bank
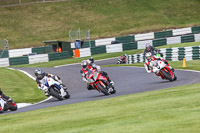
{"type": "Point", "coordinates": [168, 110]}
{"type": "Point", "coordinates": [19, 87]}
{"type": "Point", "coordinates": [30, 25]}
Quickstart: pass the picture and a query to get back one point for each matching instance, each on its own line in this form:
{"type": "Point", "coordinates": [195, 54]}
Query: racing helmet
{"type": "Point", "coordinates": [125, 55]}
{"type": "Point", "coordinates": [148, 56]}
{"type": "Point", "coordinates": [38, 73]}
{"type": "Point", "coordinates": [148, 46]}
{"type": "Point", "coordinates": [91, 60]}
{"type": "Point", "coordinates": [84, 64]}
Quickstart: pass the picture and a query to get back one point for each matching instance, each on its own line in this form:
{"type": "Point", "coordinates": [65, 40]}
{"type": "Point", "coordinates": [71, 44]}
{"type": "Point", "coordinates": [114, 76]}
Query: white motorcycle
{"type": "Point", "coordinates": [164, 71]}
{"type": "Point", "coordinates": [54, 88]}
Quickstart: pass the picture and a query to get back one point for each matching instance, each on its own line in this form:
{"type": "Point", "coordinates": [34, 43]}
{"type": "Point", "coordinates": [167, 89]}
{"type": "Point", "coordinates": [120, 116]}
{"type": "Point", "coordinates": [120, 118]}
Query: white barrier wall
{"type": "Point", "coordinates": [38, 58]}
{"type": "Point", "coordinates": [19, 52]}
{"type": "Point", "coordinates": [173, 40]}
{"type": "Point", "coordinates": [182, 31]}
{"type": "Point", "coordinates": [106, 41]}
{"type": "Point", "coordinates": [188, 53]}
{"type": "Point", "coordinates": [142, 44]}
{"type": "Point", "coordinates": [85, 52]}
{"type": "Point", "coordinates": [114, 48]}
{"type": "Point", "coordinates": [4, 62]}
{"type": "Point", "coordinates": [144, 36]}
{"type": "Point", "coordinates": [197, 37]}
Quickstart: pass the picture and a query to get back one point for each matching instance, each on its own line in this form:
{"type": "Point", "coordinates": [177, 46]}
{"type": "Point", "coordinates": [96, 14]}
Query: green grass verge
{"type": "Point", "coordinates": [19, 87]}
{"type": "Point", "coordinates": [30, 25]}
{"type": "Point", "coordinates": [168, 110]}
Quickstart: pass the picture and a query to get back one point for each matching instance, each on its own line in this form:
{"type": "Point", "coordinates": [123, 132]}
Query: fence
{"type": "Point", "coordinates": [170, 54]}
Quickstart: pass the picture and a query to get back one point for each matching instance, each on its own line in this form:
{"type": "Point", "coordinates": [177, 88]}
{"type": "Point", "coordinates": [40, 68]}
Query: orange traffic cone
{"type": "Point", "coordinates": [184, 63]}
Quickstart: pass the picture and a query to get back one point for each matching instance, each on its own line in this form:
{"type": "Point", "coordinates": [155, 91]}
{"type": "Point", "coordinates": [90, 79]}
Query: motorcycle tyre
{"type": "Point", "coordinates": [103, 90]}
{"type": "Point", "coordinates": [167, 75]}
{"type": "Point", "coordinates": [114, 91]}
{"type": "Point", "coordinates": [55, 94]}
{"type": "Point", "coordinates": [175, 78]}
{"type": "Point", "coordinates": [67, 96]}
{"type": "Point", "coordinates": [12, 108]}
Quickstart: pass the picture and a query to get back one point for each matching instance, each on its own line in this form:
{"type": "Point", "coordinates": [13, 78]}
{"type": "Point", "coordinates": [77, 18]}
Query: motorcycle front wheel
{"type": "Point", "coordinates": [12, 107]}
{"type": "Point", "coordinates": [55, 93]}
{"type": "Point", "coordinates": [104, 90]}
{"type": "Point", "coordinates": [67, 96]}
{"type": "Point", "coordinates": [167, 75]}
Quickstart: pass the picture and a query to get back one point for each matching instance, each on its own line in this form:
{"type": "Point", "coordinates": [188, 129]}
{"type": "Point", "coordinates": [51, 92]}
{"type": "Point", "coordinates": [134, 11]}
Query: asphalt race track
{"type": "Point", "coordinates": [128, 80]}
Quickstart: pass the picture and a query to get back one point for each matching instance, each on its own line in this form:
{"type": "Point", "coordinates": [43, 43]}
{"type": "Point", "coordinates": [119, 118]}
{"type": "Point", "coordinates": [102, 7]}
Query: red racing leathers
{"type": "Point", "coordinates": [92, 66]}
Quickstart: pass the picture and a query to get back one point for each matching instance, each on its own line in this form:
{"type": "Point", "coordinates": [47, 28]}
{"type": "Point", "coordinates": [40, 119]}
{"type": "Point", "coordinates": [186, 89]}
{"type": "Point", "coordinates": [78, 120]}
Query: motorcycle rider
{"type": "Point", "coordinates": [150, 63]}
{"type": "Point", "coordinates": [152, 49]}
{"type": "Point", "coordinates": [89, 65]}
{"type": "Point", "coordinates": [123, 58]}
{"type": "Point", "coordinates": [40, 75]}
{"type": "Point", "coordinates": [91, 59]}
{"type": "Point", "coordinates": [4, 96]}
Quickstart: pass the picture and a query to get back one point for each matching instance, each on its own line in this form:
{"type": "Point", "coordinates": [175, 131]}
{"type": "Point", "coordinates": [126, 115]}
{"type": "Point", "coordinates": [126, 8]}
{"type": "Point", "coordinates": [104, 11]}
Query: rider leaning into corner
{"type": "Point", "coordinates": [123, 58]}
{"type": "Point", "coordinates": [150, 62]}
{"type": "Point", "coordinates": [4, 96]}
{"type": "Point", "coordinates": [90, 65]}
{"type": "Point", "coordinates": [40, 75]}
{"type": "Point", "coordinates": [152, 49]}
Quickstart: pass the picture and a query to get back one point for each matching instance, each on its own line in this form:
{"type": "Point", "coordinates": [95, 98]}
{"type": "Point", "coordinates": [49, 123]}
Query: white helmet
{"type": "Point", "coordinates": [148, 56]}
{"type": "Point", "coordinates": [148, 46]}
{"type": "Point", "coordinates": [84, 64]}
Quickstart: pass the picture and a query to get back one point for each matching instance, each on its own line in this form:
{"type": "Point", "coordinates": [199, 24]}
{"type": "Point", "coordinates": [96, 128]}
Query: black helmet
{"type": "Point", "coordinates": [84, 64]}
{"type": "Point", "coordinates": [125, 55]}
{"type": "Point", "coordinates": [91, 60]}
{"type": "Point", "coordinates": [38, 73]}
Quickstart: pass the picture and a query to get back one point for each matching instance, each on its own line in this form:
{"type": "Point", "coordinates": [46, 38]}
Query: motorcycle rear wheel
{"type": "Point", "coordinates": [55, 94]}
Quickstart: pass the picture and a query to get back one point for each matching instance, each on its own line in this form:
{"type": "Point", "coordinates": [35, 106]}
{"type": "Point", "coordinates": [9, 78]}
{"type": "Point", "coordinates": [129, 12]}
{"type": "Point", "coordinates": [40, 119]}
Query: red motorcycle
{"type": "Point", "coordinates": [121, 60]}
{"type": "Point", "coordinates": [7, 105]}
{"type": "Point", "coordinates": [100, 82]}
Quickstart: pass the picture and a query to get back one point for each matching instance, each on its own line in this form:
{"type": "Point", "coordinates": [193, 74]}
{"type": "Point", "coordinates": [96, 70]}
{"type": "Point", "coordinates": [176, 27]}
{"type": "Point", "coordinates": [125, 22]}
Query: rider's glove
{"type": "Point", "coordinates": [98, 68]}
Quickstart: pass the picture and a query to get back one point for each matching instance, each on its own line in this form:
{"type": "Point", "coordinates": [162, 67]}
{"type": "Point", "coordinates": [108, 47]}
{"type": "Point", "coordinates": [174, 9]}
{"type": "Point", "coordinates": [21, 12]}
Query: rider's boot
{"type": "Point", "coordinates": [110, 81]}
{"type": "Point", "coordinates": [46, 94]}
{"type": "Point", "coordinates": [10, 100]}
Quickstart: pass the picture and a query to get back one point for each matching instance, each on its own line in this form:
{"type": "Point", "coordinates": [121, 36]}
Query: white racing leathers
{"type": "Point", "coordinates": [48, 82]}
{"type": "Point", "coordinates": [150, 67]}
